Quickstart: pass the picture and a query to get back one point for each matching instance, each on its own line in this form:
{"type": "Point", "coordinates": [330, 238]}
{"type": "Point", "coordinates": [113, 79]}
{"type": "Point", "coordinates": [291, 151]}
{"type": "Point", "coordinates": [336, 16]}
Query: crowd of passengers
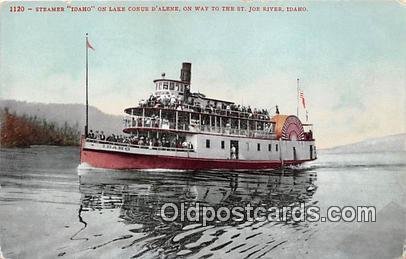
{"type": "Point", "coordinates": [154, 122]}
{"type": "Point", "coordinates": [141, 140]}
{"type": "Point", "coordinates": [173, 102]}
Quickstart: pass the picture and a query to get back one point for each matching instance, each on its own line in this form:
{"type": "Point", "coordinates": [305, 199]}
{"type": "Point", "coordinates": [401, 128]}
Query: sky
{"type": "Point", "coordinates": [350, 58]}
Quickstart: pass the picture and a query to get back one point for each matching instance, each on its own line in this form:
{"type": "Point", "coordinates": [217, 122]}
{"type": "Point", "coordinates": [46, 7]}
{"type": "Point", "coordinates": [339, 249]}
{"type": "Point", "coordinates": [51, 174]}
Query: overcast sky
{"type": "Point", "coordinates": [350, 58]}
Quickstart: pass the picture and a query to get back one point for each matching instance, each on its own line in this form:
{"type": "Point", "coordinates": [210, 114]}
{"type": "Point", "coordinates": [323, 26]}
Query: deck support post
{"type": "Point", "coordinates": [143, 117]}
{"type": "Point", "coordinates": [200, 122]}
{"type": "Point", "coordinates": [176, 119]}
{"type": "Point", "coordinates": [210, 122]}
{"type": "Point", "coordinates": [160, 118]}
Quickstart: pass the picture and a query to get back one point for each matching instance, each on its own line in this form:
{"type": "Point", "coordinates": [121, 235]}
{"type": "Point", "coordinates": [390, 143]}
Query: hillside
{"type": "Point", "coordinates": [24, 131]}
{"type": "Point", "coordinates": [71, 114]}
{"type": "Point", "coordinates": [383, 144]}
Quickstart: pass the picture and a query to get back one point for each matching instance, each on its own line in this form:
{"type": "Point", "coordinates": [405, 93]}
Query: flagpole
{"type": "Point", "coordinates": [297, 97]}
{"type": "Point", "coordinates": [87, 91]}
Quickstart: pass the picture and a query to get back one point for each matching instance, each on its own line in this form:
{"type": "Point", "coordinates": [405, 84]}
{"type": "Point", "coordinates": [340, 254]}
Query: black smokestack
{"type": "Point", "coordinates": [185, 72]}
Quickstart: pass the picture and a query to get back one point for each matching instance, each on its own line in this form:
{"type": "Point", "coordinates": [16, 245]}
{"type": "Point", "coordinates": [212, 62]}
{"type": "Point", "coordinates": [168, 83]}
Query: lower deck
{"type": "Point", "coordinates": [205, 152]}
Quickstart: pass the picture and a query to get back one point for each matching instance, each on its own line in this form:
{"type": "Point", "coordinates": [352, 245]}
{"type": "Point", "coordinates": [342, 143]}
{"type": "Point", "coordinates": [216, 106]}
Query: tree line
{"type": "Point", "coordinates": [24, 131]}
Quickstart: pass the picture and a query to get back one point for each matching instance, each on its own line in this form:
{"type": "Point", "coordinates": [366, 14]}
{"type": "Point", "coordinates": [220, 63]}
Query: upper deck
{"type": "Point", "coordinates": [192, 120]}
{"type": "Point", "coordinates": [174, 108]}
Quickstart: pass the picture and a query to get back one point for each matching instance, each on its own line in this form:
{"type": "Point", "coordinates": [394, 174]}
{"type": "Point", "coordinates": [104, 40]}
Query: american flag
{"type": "Point", "coordinates": [303, 99]}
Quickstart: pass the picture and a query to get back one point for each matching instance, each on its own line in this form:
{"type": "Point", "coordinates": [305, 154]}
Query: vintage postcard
{"type": "Point", "coordinates": [203, 129]}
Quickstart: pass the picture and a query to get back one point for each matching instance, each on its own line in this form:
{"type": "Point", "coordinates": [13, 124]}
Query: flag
{"type": "Point", "coordinates": [303, 99]}
{"type": "Point", "coordinates": [88, 45]}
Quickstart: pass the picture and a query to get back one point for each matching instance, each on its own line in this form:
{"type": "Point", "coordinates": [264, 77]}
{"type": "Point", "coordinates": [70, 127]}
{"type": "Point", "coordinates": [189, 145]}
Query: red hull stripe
{"type": "Point", "coordinates": [117, 160]}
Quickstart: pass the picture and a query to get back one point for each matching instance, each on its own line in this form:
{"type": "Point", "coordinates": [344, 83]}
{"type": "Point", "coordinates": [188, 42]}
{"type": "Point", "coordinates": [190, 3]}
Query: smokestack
{"type": "Point", "coordinates": [185, 72]}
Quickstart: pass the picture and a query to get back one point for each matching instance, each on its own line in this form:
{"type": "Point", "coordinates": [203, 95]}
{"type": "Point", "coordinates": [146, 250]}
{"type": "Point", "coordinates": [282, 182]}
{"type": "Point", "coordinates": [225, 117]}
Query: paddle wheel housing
{"type": "Point", "coordinates": [288, 127]}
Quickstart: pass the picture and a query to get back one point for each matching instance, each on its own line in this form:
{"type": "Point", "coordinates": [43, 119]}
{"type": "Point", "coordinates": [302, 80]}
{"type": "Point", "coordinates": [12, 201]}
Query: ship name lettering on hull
{"type": "Point", "coordinates": [112, 147]}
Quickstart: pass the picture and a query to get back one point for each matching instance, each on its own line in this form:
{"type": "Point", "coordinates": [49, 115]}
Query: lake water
{"type": "Point", "coordinates": [49, 210]}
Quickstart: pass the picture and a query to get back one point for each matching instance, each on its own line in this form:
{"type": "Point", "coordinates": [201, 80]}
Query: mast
{"type": "Point", "coordinates": [297, 98]}
{"type": "Point", "coordinates": [87, 86]}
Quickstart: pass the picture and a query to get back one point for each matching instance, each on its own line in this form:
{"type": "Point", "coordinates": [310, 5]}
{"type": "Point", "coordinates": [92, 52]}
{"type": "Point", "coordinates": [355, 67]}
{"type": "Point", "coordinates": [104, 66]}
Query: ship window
{"type": "Point", "coordinates": [223, 144]}
{"type": "Point", "coordinates": [176, 86]}
{"type": "Point", "coordinates": [165, 85]}
{"type": "Point", "coordinates": [276, 147]}
{"type": "Point", "coordinates": [181, 88]}
{"type": "Point", "coordinates": [172, 86]}
{"type": "Point", "coordinates": [269, 147]}
{"type": "Point", "coordinates": [207, 143]}
{"type": "Point", "coordinates": [259, 147]}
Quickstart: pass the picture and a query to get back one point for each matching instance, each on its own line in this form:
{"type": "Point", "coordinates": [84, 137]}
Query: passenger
{"type": "Point", "coordinates": [102, 137]}
{"type": "Point", "coordinates": [153, 121]}
{"type": "Point", "coordinates": [147, 122]}
{"type": "Point", "coordinates": [154, 142]}
{"type": "Point", "coordinates": [173, 101]}
{"type": "Point", "coordinates": [173, 143]}
{"type": "Point", "coordinates": [134, 140]}
{"type": "Point", "coordinates": [91, 134]}
{"type": "Point", "coordinates": [143, 103]}
{"type": "Point", "coordinates": [233, 152]}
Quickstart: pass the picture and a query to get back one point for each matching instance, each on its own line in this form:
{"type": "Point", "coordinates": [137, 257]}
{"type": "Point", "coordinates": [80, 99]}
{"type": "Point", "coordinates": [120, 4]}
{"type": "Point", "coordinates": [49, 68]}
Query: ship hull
{"type": "Point", "coordinates": [123, 161]}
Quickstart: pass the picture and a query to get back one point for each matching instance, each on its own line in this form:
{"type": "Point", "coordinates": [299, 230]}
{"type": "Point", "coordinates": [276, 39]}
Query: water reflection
{"type": "Point", "coordinates": [130, 202]}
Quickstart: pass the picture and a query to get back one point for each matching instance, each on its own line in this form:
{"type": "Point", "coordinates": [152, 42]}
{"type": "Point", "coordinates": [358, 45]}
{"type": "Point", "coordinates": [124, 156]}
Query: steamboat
{"type": "Point", "coordinates": [175, 128]}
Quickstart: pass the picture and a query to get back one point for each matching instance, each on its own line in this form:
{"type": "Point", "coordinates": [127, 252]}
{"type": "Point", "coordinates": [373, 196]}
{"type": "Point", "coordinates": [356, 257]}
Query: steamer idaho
{"type": "Point", "coordinates": [175, 128]}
